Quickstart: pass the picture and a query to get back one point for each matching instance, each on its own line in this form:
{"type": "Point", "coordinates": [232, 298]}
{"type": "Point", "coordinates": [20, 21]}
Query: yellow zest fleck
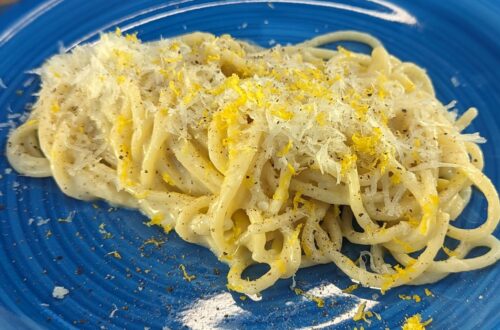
{"type": "Point", "coordinates": [173, 88]}
{"type": "Point", "coordinates": [141, 194]}
{"type": "Point", "coordinates": [449, 253]}
{"type": "Point", "coordinates": [414, 222]}
{"type": "Point", "coordinates": [344, 51]}
{"type": "Point", "coordinates": [367, 144]}
{"type": "Point", "coordinates": [31, 122]}
{"type": "Point", "coordinates": [132, 37]}
{"type": "Point", "coordinates": [164, 73]}
{"type": "Point", "coordinates": [347, 163]}
{"type": "Point", "coordinates": [407, 247]}
{"type": "Point", "coordinates": [361, 314]}
{"type": "Point", "coordinates": [321, 118]}
{"type": "Point", "coordinates": [187, 98]}
{"type": "Point", "coordinates": [319, 302]}
{"type": "Point", "coordinates": [175, 46]}
{"type": "Point", "coordinates": [123, 58]}
{"type": "Point", "coordinates": [417, 298]}
{"type": "Point", "coordinates": [282, 113]}
{"type": "Point", "coordinates": [360, 108]}
{"type": "Point", "coordinates": [55, 107]}
{"type": "Point", "coordinates": [118, 31]}
{"type": "Point", "coordinates": [185, 275]}
{"type": "Point", "coordinates": [156, 219]}
{"type": "Point", "coordinates": [401, 273]}
{"type": "Point", "coordinates": [243, 298]}
{"type": "Point", "coordinates": [285, 149]}
{"type": "Point", "coordinates": [308, 108]}
{"type": "Point", "coordinates": [408, 85]}
{"type": "Point", "coordinates": [415, 323]}
{"type": "Point", "coordinates": [428, 293]}
{"type": "Point", "coordinates": [404, 297]}
{"type": "Point", "coordinates": [296, 200]}
{"type": "Point", "coordinates": [351, 288]}
{"type": "Point", "coordinates": [168, 179]}
{"type": "Point", "coordinates": [395, 177]}
{"type": "Point", "coordinates": [296, 232]}
{"type": "Point", "coordinates": [213, 57]}
{"type": "Point", "coordinates": [167, 228]}
{"type": "Point", "coordinates": [180, 76]}
{"type": "Point", "coordinates": [115, 254]}
{"type": "Point", "coordinates": [170, 60]}
{"type": "Point", "coordinates": [120, 79]}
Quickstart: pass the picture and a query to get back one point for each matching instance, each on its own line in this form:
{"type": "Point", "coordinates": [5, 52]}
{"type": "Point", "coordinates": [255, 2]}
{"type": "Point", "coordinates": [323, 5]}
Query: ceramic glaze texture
{"type": "Point", "coordinates": [455, 41]}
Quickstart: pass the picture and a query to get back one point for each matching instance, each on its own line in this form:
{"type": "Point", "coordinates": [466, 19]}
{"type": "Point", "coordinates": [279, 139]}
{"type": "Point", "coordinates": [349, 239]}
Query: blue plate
{"type": "Point", "coordinates": [457, 43]}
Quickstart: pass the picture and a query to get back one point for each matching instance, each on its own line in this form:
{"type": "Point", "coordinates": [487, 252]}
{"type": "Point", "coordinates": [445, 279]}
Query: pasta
{"type": "Point", "coordinates": [266, 156]}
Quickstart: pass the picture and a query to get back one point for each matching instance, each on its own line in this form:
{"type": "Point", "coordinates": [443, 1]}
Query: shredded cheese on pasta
{"type": "Point", "coordinates": [265, 155]}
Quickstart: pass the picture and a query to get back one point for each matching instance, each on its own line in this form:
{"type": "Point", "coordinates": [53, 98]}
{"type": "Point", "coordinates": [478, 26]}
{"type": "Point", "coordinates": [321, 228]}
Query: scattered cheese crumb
{"type": "Point", "coordinates": [294, 283]}
{"type": "Point", "coordinates": [454, 80]}
{"type": "Point", "coordinates": [154, 241]}
{"type": "Point", "coordinates": [428, 292]}
{"type": "Point", "coordinates": [59, 292]}
{"type": "Point", "coordinates": [186, 276]}
{"type": "Point", "coordinates": [69, 218]}
{"type": "Point", "coordinates": [42, 222]}
{"type": "Point", "coordinates": [115, 254]}
{"type": "Point", "coordinates": [415, 297]}
{"type": "Point", "coordinates": [361, 314]}
{"type": "Point", "coordinates": [351, 288]}
{"type": "Point", "coordinates": [112, 314]}
{"type": "Point", "coordinates": [104, 232]}
{"type": "Point", "coordinates": [319, 302]}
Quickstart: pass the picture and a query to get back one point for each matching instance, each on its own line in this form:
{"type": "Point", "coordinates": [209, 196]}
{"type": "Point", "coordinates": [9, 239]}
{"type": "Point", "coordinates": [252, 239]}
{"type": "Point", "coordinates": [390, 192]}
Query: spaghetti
{"type": "Point", "coordinates": [270, 156]}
